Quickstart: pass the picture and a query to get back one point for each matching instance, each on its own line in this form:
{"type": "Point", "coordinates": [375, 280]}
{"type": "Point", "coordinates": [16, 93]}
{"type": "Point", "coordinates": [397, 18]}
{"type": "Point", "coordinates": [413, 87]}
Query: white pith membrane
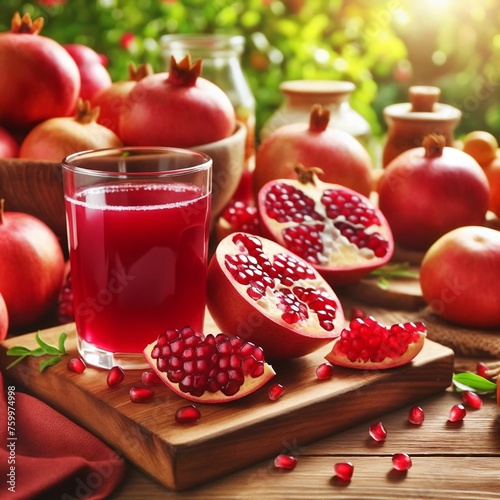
{"type": "Point", "coordinates": [250, 385]}
{"type": "Point", "coordinates": [336, 247]}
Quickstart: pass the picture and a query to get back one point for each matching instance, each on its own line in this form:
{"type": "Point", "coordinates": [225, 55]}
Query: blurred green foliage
{"type": "Point", "coordinates": [383, 46]}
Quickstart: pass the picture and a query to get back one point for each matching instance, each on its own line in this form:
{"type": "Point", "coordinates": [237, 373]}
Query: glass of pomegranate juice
{"type": "Point", "coordinates": [138, 226]}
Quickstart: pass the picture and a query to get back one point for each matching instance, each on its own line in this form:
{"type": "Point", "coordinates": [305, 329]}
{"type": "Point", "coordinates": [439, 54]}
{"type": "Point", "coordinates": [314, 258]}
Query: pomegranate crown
{"type": "Point", "coordinates": [433, 145]}
{"type": "Point", "coordinates": [25, 24]}
{"type": "Point", "coordinates": [184, 73]}
{"type": "Point", "coordinates": [307, 175]}
{"type": "Point", "coordinates": [319, 118]}
{"type": "Point", "coordinates": [85, 113]}
{"type": "Point", "coordinates": [137, 73]}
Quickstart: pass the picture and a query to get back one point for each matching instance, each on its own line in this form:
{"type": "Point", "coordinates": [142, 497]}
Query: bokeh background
{"type": "Point", "coordinates": [383, 46]}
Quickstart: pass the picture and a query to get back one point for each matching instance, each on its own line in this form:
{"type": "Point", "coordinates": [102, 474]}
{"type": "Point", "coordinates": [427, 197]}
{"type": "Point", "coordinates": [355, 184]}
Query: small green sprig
{"type": "Point", "coordinates": [393, 271]}
{"type": "Point", "coordinates": [468, 381]}
{"type": "Point", "coordinates": [55, 353]}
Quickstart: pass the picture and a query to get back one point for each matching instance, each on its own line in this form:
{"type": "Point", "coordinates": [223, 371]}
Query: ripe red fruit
{"type": "Point", "coordinates": [337, 230]}
{"type": "Point", "coordinates": [44, 81]}
{"type": "Point", "coordinates": [324, 371]}
{"type": "Point", "coordinates": [472, 400]}
{"type": "Point", "coordinates": [93, 75]}
{"type": "Point", "coordinates": [338, 154]}
{"type": "Point", "coordinates": [416, 415]}
{"type": "Point", "coordinates": [178, 109]}
{"type": "Point", "coordinates": [459, 277]}
{"type": "Point", "coordinates": [369, 345]}
{"type": "Point", "coordinates": [115, 377]}
{"type": "Point", "coordinates": [211, 369]}
{"type": "Point", "coordinates": [401, 461]}
{"type": "Point", "coordinates": [8, 145]}
{"type": "Point", "coordinates": [141, 394]}
{"type": "Point", "coordinates": [4, 319]}
{"type": "Point", "coordinates": [277, 301]}
{"type": "Point", "coordinates": [426, 192]}
{"type": "Point", "coordinates": [287, 462]}
{"type": "Point", "coordinates": [187, 414]}
{"type": "Point", "coordinates": [344, 470]}
{"type": "Point", "coordinates": [457, 413]}
{"type": "Point", "coordinates": [76, 365]}
{"type": "Point", "coordinates": [275, 392]}
{"type": "Point", "coordinates": [378, 432]}
{"type": "Point", "coordinates": [31, 267]}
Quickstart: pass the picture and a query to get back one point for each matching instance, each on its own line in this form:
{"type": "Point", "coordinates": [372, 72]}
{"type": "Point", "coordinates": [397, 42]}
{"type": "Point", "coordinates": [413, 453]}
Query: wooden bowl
{"type": "Point", "coordinates": [35, 187]}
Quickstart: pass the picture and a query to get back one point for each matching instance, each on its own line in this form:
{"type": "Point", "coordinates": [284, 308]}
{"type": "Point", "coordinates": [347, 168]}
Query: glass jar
{"type": "Point", "coordinates": [221, 56]}
{"type": "Point", "coordinates": [301, 95]}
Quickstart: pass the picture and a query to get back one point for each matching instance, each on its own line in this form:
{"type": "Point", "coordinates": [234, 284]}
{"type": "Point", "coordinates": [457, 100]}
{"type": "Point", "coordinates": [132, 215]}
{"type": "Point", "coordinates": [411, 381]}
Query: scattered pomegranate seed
{"type": "Point", "coordinates": [457, 413]}
{"type": "Point", "coordinates": [283, 461]}
{"type": "Point", "coordinates": [344, 470]}
{"type": "Point", "coordinates": [275, 392]}
{"type": "Point", "coordinates": [115, 376]}
{"type": "Point", "coordinates": [324, 371]}
{"type": "Point", "coordinates": [482, 369]}
{"type": "Point", "coordinates": [401, 461]}
{"type": "Point", "coordinates": [357, 312]}
{"type": "Point", "coordinates": [76, 365]}
{"type": "Point", "coordinates": [187, 414]}
{"type": "Point", "coordinates": [416, 415]}
{"type": "Point", "coordinates": [150, 378]}
{"type": "Point", "coordinates": [141, 394]}
{"type": "Point", "coordinates": [377, 432]}
{"type": "Point", "coordinates": [472, 399]}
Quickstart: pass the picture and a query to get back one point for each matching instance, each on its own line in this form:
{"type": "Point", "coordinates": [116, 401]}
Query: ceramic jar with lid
{"type": "Point", "coordinates": [409, 122]}
{"type": "Point", "coordinates": [301, 95]}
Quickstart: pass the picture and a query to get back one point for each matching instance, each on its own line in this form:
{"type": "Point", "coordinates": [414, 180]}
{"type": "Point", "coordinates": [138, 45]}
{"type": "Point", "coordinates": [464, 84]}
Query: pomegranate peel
{"type": "Point", "coordinates": [369, 345]}
{"type": "Point", "coordinates": [208, 369]}
{"type": "Point", "coordinates": [337, 230]}
{"type": "Point", "coordinates": [277, 300]}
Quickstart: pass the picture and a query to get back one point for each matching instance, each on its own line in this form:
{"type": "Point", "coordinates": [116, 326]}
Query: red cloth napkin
{"type": "Point", "coordinates": [43, 455]}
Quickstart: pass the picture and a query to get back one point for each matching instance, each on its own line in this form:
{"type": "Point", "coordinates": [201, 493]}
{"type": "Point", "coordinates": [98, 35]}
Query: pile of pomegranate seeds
{"type": "Point", "coordinates": [283, 461]}
{"type": "Point", "coordinates": [401, 461]}
{"type": "Point", "coordinates": [76, 365]}
{"type": "Point", "coordinates": [275, 392]}
{"type": "Point", "coordinates": [253, 269]}
{"type": "Point", "coordinates": [187, 414]}
{"type": "Point", "coordinates": [457, 413]}
{"type": "Point", "coordinates": [377, 432]}
{"type": "Point", "coordinates": [115, 377]}
{"type": "Point", "coordinates": [369, 340]}
{"type": "Point", "coordinates": [344, 470]}
{"type": "Point", "coordinates": [201, 364]}
{"type": "Point", "coordinates": [241, 217]}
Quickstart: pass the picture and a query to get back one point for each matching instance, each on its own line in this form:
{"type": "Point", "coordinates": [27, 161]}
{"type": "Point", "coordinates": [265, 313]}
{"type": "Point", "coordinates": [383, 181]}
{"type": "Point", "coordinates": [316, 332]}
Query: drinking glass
{"type": "Point", "coordinates": [138, 227]}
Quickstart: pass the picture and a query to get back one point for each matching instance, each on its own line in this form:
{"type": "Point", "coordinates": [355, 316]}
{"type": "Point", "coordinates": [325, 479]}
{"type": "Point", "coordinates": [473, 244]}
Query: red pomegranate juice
{"type": "Point", "coordinates": [138, 262]}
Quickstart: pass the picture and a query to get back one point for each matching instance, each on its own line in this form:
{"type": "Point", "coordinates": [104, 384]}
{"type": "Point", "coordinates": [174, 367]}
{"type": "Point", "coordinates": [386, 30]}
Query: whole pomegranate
{"type": "Point", "coordinates": [340, 156]}
{"type": "Point", "coordinates": [335, 229]}
{"type": "Point", "coordinates": [94, 76]}
{"type": "Point", "coordinates": [43, 80]}
{"type": "Point", "coordinates": [266, 295]}
{"type": "Point", "coordinates": [112, 100]}
{"type": "Point", "coordinates": [427, 191]}
{"type": "Point", "coordinates": [4, 319]}
{"type": "Point", "coordinates": [8, 145]}
{"type": "Point", "coordinates": [459, 276]}
{"type": "Point", "coordinates": [31, 267]}
{"type": "Point", "coordinates": [177, 109]}
{"type": "Point", "coordinates": [57, 138]}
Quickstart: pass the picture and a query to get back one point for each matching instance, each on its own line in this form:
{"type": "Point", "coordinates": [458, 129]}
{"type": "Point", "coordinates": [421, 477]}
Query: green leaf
{"type": "Point", "coordinates": [468, 381]}
{"type": "Point", "coordinates": [62, 340]}
{"type": "Point", "coordinates": [49, 362]}
{"type": "Point", "coordinates": [18, 350]}
{"type": "Point", "coordinates": [49, 349]}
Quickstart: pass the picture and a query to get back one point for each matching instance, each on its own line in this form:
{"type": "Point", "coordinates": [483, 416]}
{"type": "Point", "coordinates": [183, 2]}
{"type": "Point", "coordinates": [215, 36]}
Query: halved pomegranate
{"type": "Point", "coordinates": [265, 294]}
{"type": "Point", "coordinates": [369, 345]}
{"type": "Point", "coordinates": [208, 369]}
{"type": "Point", "coordinates": [337, 230]}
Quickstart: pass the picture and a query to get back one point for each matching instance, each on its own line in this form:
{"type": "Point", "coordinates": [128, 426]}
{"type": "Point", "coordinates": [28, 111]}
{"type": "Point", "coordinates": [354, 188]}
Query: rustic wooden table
{"type": "Point", "coordinates": [450, 461]}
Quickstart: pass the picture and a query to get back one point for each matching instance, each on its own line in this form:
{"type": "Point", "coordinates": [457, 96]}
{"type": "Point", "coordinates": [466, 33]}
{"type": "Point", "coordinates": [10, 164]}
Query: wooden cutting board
{"type": "Point", "coordinates": [228, 436]}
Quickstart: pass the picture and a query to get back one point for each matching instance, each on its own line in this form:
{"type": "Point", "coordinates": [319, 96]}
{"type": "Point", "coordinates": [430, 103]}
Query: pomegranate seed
{"type": "Point", "coordinates": [482, 369]}
{"type": "Point", "coordinates": [344, 470]}
{"type": "Point", "coordinates": [377, 432]}
{"type": "Point", "coordinates": [285, 462]}
{"type": "Point", "coordinates": [416, 415]}
{"type": "Point", "coordinates": [457, 413]}
{"type": "Point", "coordinates": [187, 414]}
{"type": "Point", "coordinates": [76, 365]}
{"type": "Point", "coordinates": [357, 312]}
{"type": "Point", "coordinates": [324, 371]}
{"type": "Point", "coordinates": [141, 394]}
{"type": "Point", "coordinates": [115, 376]}
{"type": "Point", "coordinates": [401, 461]}
{"type": "Point", "coordinates": [150, 378]}
{"type": "Point", "coordinates": [472, 399]}
{"type": "Point", "coordinates": [241, 217]}
{"type": "Point", "coordinates": [275, 392]}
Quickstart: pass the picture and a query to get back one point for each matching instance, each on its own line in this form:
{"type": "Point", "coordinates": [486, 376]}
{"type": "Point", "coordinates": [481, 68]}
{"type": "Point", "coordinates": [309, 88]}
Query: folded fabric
{"type": "Point", "coordinates": [44, 455]}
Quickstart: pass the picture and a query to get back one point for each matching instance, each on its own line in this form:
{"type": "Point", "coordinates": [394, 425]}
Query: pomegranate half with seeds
{"type": "Point", "coordinates": [265, 294]}
{"type": "Point", "coordinates": [337, 230]}
{"type": "Point", "coordinates": [208, 369]}
{"type": "Point", "coordinates": [370, 345]}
